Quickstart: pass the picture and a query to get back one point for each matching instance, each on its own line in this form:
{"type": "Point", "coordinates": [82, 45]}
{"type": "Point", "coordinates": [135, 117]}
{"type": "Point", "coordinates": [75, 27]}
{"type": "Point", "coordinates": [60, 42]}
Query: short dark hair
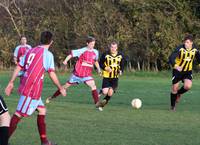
{"type": "Point", "coordinates": [114, 43]}
{"type": "Point", "coordinates": [22, 36]}
{"type": "Point", "coordinates": [90, 39]}
{"type": "Point", "coordinates": [46, 37]}
{"type": "Point", "coordinates": [188, 37]}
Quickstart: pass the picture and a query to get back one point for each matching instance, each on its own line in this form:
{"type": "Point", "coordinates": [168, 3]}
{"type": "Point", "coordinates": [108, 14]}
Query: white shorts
{"type": "Point", "coordinates": [77, 80]}
{"type": "Point", "coordinates": [27, 105]}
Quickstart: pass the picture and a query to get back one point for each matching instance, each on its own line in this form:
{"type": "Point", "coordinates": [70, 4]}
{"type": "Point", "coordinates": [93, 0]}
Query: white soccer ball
{"type": "Point", "coordinates": [136, 103]}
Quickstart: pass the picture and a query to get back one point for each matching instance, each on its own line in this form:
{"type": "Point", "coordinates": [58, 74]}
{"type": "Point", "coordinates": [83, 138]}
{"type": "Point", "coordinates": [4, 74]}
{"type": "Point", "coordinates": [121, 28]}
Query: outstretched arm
{"type": "Point", "coordinates": [10, 85]}
{"type": "Point", "coordinates": [67, 59]}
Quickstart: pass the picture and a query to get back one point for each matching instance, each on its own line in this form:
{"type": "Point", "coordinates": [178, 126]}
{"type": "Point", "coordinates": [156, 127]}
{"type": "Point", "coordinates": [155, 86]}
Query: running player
{"type": "Point", "coordinates": [112, 64]}
{"type": "Point", "coordinates": [182, 61]}
{"type": "Point", "coordinates": [35, 63]}
{"type": "Point", "coordinates": [87, 57]}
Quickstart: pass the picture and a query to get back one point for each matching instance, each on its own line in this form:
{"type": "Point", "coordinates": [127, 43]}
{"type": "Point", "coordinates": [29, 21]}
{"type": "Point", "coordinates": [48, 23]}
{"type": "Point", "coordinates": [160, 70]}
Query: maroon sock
{"type": "Point", "coordinates": [42, 128]}
{"type": "Point", "coordinates": [95, 96]}
{"type": "Point", "coordinates": [56, 94]}
{"type": "Point", "coordinates": [13, 124]}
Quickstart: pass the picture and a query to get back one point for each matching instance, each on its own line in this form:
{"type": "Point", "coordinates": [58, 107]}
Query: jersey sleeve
{"type": "Point", "coordinates": [29, 47]}
{"type": "Point", "coordinates": [49, 62]}
{"type": "Point", "coordinates": [77, 52]}
{"type": "Point", "coordinates": [97, 55]}
{"type": "Point", "coordinates": [122, 63]}
{"type": "Point", "coordinates": [197, 56]}
{"type": "Point", "coordinates": [102, 61]}
{"type": "Point", "coordinates": [16, 51]}
{"type": "Point", "coordinates": [173, 55]}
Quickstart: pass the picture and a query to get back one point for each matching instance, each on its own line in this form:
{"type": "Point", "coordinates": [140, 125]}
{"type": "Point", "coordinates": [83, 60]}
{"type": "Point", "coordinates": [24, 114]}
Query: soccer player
{"type": "Point", "coordinates": [87, 57]}
{"type": "Point", "coordinates": [182, 61]}
{"type": "Point", "coordinates": [112, 64]}
{"type": "Point", "coordinates": [4, 122]}
{"type": "Point", "coordinates": [36, 61]}
{"type": "Point", "coordinates": [21, 49]}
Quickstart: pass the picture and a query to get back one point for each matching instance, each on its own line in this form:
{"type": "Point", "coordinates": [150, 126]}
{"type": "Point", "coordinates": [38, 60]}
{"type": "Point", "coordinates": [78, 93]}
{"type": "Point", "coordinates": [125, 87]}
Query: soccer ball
{"type": "Point", "coordinates": [136, 103]}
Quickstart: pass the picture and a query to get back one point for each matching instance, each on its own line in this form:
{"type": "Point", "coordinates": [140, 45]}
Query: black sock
{"type": "Point", "coordinates": [182, 90]}
{"type": "Point", "coordinates": [4, 135]}
{"type": "Point", "coordinates": [173, 99]}
{"type": "Point", "coordinates": [107, 98]}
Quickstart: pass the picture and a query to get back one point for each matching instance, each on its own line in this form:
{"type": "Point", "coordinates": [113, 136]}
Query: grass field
{"type": "Point", "coordinates": [73, 120]}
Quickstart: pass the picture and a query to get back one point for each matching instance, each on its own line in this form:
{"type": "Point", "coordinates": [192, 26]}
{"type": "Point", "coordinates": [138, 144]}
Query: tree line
{"type": "Point", "coordinates": [147, 30]}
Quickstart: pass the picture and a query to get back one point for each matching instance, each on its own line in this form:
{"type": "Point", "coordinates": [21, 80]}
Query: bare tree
{"type": "Point", "coordinates": [6, 4]}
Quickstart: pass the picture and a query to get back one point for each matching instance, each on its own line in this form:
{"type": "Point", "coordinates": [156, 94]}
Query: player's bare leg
{"type": "Point", "coordinates": [173, 95]}
{"type": "Point", "coordinates": [108, 92]}
{"type": "Point", "coordinates": [57, 93]}
{"type": "Point", "coordinates": [186, 87]}
{"type": "Point", "coordinates": [4, 126]}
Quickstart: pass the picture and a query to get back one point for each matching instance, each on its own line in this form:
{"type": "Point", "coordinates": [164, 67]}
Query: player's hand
{"type": "Point", "coordinates": [63, 92]}
{"type": "Point", "coordinates": [9, 88]}
{"type": "Point", "coordinates": [100, 72]}
{"type": "Point", "coordinates": [108, 69]}
{"type": "Point", "coordinates": [120, 72]}
{"type": "Point", "coordinates": [65, 62]}
{"type": "Point", "coordinates": [178, 68]}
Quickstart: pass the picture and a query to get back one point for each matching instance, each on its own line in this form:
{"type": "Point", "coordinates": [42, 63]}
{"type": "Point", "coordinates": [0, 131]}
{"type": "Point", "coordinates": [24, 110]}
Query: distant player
{"type": "Point", "coordinates": [35, 63]}
{"type": "Point", "coordinates": [182, 61]}
{"type": "Point", "coordinates": [4, 122]}
{"type": "Point", "coordinates": [87, 58]}
{"type": "Point", "coordinates": [112, 63]}
{"type": "Point", "coordinates": [21, 49]}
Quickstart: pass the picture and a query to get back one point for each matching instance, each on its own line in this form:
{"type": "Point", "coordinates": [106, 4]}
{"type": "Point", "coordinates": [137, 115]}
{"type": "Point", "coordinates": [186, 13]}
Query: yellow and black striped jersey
{"type": "Point", "coordinates": [184, 58]}
{"type": "Point", "coordinates": [115, 62]}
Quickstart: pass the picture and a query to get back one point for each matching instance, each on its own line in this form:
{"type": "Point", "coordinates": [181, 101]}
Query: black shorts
{"type": "Point", "coordinates": [110, 83]}
{"type": "Point", "coordinates": [180, 76]}
{"type": "Point", "coordinates": [3, 107]}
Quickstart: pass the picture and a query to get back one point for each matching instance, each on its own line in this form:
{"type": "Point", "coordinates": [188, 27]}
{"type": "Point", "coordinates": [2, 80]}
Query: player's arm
{"type": "Point", "coordinates": [10, 85]}
{"type": "Point", "coordinates": [15, 55]}
{"type": "Point", "coordinates": [15, 60]}
{"type": "Point", "coordinates": [67, 59]}
{"type": "Point", "coordinates": [55, 80]}
{"type": "Point", "coordinates": [122, 65]}
{"type": "Point", "coordinates": [98, 67]}
{"type": "Point", "coordinates": [173, 56]}
{"type": "Point", "coordinates": [74, 53]}
{"type": "Point", "coordinates": [197, 56]}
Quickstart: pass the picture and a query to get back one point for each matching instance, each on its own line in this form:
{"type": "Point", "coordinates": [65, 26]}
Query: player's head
{"type": "Point", "coordinates": [90, 42]}
{"type": "Point", "coordinates": [188, 41]}
{"type": "Point", "coordinates": [46, 38]}
{"type": "Point", "coordinates": [23, 40]}
{"type": "Point", "coordinates": [113, 47]}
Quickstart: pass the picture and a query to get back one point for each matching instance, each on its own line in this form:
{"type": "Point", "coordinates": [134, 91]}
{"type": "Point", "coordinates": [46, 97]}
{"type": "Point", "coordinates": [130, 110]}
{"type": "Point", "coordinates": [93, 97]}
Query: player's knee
{"type": "Point", "coordinates": [187, 87]}
{"type": "Point", "coordinates": [5, 119]}
{"type": "Point", "coordinates": [93, 87]}
{"type": "Point", "coordinates": [18, 115]}
{"type": "Point", "coordinates": [110, 92]}
{"type": "Point", "coordinates": [42, 111]}
{"type": "Point", "coordinates": [105, 92]}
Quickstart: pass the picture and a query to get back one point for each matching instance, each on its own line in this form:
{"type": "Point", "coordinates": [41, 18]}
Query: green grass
{"type": "Point", "coordinates": [72, 120]}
